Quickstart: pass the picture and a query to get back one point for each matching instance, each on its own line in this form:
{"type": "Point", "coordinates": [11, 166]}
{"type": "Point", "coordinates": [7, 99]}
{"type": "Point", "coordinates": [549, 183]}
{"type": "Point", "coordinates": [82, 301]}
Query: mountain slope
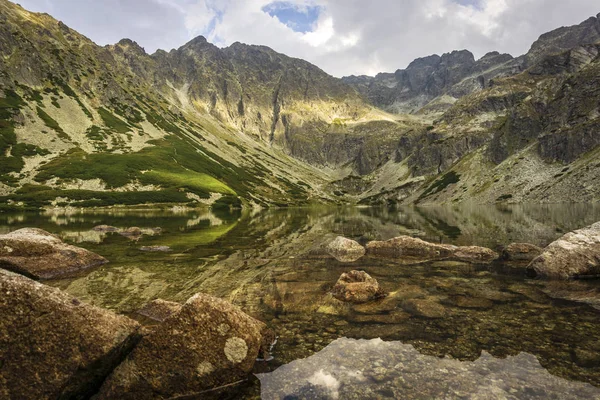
{"type": "Point", "coordinates": [84, 125]}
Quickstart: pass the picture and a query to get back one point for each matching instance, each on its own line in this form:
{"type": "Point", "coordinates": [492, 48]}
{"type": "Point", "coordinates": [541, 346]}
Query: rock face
{"type": "Point", "coordinates": [159, 310]}
{"type": "Point", "coordinates": [575, 255]}
{"type": "Point", "coordinates": [345, 250]}
{"type": "Point", "coordinates": [40, 255]}
{"type": "Point", "coordinates": [520, 252]}
{"type": "Point", "coordinates": [357, 287]}
{"type": "Point", "coordinates": [53, 346]}
{"type": "Point", "coordinates": [406, 246]}
{"type": "Point", "coordinates": [207, 344]}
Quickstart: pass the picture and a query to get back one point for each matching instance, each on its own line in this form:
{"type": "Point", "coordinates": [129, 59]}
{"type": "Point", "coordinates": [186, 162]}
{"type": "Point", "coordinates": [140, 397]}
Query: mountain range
{"type": "Point", "coordinates": [85, 125]}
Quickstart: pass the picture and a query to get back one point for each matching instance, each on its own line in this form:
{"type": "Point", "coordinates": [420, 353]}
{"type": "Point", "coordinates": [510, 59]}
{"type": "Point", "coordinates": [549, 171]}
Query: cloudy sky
{"type": "Point", "coordinates": [341, 36]}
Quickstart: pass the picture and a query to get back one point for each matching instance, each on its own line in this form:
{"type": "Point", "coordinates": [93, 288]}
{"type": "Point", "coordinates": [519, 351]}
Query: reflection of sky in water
{"type": "Point", "coordinates": [370, 369]}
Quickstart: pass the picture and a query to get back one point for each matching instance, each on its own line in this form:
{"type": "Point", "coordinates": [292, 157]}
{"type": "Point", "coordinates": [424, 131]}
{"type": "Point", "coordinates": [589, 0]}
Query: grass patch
{"type": "Point", "coordinates": [191, 180]}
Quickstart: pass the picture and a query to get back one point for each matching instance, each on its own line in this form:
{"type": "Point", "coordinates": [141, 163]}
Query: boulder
{"type": "Point", "coordinates": [406, 246]}
{"type": "Point", "coordinates": [357, 287]}
{"type": "Point", "coordinates": [159, 310]}
{"type": "Point", "coordinates": [40, 255]}
{"type": "Point", "coordinates": [474, 254]}
{"type": "Point", "coordinates": [209, 343]}
{"type": "Point", "coordinates": [575, 255]}
{"type": "Point", "coordinates": [133, 232]}
{"type": "Point", "coordinates": [345, 250]}
{"type": "Point", "coordinates": [520, 252]}
{"type": "Point", "coordinates": [53, 346]}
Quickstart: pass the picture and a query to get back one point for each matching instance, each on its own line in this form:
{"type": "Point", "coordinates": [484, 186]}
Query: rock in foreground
{"type": "Point", "coordinates": [207, 344]}
{"type": "Point", "coordinates": [53, 346]}
{"type": "Point", "coordinates": [345, 370]}
{"type": "Point", "coordinates": [357, 287]}
{"type": "Point", "coordinates": [575, 255]}
{"type": "Point", "coordinates": [345, 250]}
{"type": "Point", "coordinates": [409, 247]}
{"type": "Point", "coordinates": [40, 255]}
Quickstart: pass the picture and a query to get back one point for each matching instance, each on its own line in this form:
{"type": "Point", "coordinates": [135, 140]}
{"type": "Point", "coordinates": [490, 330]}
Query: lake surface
{"type": "Point", "coordinates": [272, 264]}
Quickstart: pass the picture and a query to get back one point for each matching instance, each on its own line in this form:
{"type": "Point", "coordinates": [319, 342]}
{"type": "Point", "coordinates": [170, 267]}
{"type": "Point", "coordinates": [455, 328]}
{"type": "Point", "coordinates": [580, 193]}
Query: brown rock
{"type": "Point", "coordinates": [474, 254]}
{"type": "Point", "coordinates": [40, 255]}
{"type": "Point", "coordinates": [345, 250]}
{"type": "Point", "coordinates": [406, 246]}
{"type": "Point", "coordinates": [427, 308]}
{"type": "Point", "coordinates": [159, 310]}
{"type": "Point", "coordinates": [520, 252]}
{"type": "Point", "coordinates": [52, 345]}
{"type": "Point", "coordinates": [207, 344]}
{"type": "Point", "coordinates": [575, 255]}
{"type": "Point", "coordinates": [357, 287]}
{"type": "Point", "coordinates": [132, 232]}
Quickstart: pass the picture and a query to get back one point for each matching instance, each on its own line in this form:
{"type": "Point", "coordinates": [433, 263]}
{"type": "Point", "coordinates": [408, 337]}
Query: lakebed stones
{"type": "Point", "coordinates": [414, 248]}
{"type": "Point", "coordinates": [427, 308]}
{"type": "Point", "coordinates": [52, 345]}
{"type": "Point", "coordinates": [520, 252]}
{"type": "Point", "coordinates": [575, 255]}
{"type": "Point", "coordinates": [207, 344]}
{"type": "Point", "coordinates": [345, 250]}
{"type": "Point", "coordinates": [357, 287]}
{"type": "Point", "coordinates": [40, 255]}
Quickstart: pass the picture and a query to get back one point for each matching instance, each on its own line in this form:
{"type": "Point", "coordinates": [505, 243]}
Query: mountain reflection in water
{"type": "Point", "coordinates": [273, 265]}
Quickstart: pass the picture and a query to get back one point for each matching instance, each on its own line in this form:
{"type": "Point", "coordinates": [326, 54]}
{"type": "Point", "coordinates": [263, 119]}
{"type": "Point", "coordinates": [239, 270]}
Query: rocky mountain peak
{"type": "Point", "coordinates": [131, 46]}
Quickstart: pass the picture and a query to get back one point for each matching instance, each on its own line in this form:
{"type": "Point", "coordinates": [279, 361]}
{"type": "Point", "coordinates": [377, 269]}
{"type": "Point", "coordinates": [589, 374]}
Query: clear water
{"type": "Point", "coordinates": [271, 263]}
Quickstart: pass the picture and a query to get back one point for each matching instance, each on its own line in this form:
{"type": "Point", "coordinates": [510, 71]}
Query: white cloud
{"type": "Point", "coordinates": [350, 36]}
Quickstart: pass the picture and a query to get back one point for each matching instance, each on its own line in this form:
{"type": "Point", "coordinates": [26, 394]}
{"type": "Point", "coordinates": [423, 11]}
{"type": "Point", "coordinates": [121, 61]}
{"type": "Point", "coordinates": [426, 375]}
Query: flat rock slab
{"type": "Point", "coordinates": [575, 255]}
{"type": "Point", "coordinates": [374, 369]}
{"type": "Point", "coordinates": [38, 254]}
{"type": "Point", "coordinates": [52, 345]}
{"type": "Point", "coordinates": [209, 343]}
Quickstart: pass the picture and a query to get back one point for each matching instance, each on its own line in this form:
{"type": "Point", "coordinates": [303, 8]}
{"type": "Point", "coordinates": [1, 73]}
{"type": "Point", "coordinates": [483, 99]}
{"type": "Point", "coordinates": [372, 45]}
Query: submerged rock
{"type": "Point", "coordinates": [427, 308]}
{"type": "Point", "coordinates": [345, 250]}
{"type": "Point", "coordinates": [207, 344]}
{"type": "Point", "coordinates": [520, 252]}
{"type": "Point", "coordinates": [406, 246]}
{"type": "Point", "coordinates": [357, 287]}
{"type": "Point", "coordinates": [132, 232]}
{"type": "Point", "coordinates": [52, 345]}
{"type": "Point", "coordinates": [159, 310]}
{"type": "Point", "coordinates": [575, 255]}
{"type": "Point", "coordinates": [156, 249]}
{"type": "Point", "coordinates": [38, 254]}
{"type": "Point", "coordinates": [374, 369]}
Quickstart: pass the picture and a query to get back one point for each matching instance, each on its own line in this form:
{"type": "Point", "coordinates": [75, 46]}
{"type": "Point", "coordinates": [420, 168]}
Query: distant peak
{"type": "Point", "coordinates": [197, 40]}
{"type": "Point", "coordinates": [132, 45]}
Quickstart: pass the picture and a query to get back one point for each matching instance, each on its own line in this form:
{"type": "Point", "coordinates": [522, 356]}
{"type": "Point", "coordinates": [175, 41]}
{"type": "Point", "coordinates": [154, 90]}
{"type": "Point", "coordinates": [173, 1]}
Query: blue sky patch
{"type": "Point", "coordinates": [473, 3]}
{"type": "Point", "coordinates": [301, 18]}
